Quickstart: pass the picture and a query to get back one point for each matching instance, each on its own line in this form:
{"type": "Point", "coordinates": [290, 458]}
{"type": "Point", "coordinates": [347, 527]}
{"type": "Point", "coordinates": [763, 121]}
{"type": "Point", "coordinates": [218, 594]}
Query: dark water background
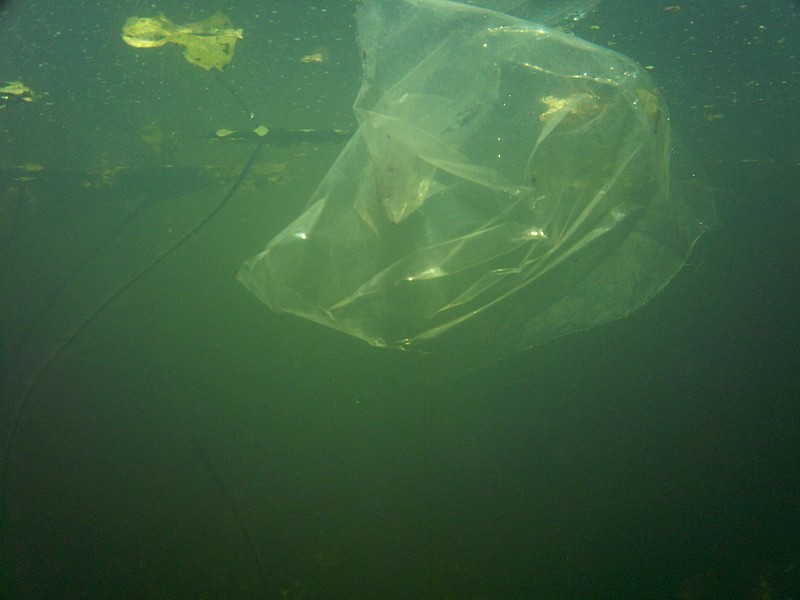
{"type": "Point", "coordinates": [187, 442]}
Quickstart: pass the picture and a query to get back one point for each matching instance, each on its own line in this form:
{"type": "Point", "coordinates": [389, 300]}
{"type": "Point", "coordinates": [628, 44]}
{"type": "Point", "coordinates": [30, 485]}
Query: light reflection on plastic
{"type": "Point", "coordinates": [536, 233]}
{"type": "Point", "coordinates": [431, 273]}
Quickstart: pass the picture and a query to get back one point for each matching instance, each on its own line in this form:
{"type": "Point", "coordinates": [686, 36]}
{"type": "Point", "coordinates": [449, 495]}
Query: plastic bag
{"type": "Point", "coordinates": [508, 184]}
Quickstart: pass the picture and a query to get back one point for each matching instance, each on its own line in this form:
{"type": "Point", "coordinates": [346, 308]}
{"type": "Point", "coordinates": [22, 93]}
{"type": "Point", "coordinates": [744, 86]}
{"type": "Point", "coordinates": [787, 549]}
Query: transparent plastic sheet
{"type": "Point", "coordinates": [547, 12]}
{"type": "Point", "coordinates": [508, 184]}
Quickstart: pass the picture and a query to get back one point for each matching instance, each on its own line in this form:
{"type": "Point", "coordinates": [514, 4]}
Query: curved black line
{"type": "Point", "coordinates": [235, 510]}
{"type": "Point", "coordinates": [33, 381]}
{"type": "Point", "coordinates": [52, 298]}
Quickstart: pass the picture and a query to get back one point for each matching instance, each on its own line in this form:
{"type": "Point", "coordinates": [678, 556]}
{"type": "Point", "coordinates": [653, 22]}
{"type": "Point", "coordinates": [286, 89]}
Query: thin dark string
{"type": "Point", "coordinates": [235, 510]}
{"type": "Point", "coordinates": [57, 292]}
{"type": "Point", "coordinates": [31, 383]}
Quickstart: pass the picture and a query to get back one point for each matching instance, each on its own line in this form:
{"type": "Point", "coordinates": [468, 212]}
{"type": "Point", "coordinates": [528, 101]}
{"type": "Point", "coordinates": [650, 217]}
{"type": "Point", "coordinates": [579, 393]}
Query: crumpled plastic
{"type": "Point", "coordinates": [508, 184]}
